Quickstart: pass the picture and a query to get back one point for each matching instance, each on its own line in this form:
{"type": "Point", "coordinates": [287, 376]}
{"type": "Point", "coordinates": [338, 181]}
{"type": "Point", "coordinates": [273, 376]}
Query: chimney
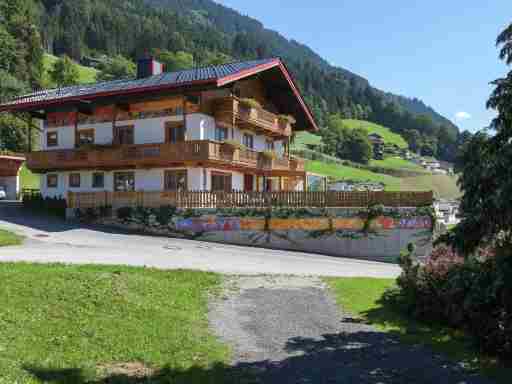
{"type": "Point", "coordinates": [147, 67]}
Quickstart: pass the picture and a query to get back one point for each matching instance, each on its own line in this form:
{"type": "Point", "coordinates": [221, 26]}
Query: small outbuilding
{"type": "Point", "coordinates": [10, 165]}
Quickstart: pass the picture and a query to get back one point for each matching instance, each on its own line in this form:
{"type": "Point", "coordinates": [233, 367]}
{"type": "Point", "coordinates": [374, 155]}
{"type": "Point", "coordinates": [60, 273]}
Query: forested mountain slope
{"type": "Point", "coordinates": [212, 33]}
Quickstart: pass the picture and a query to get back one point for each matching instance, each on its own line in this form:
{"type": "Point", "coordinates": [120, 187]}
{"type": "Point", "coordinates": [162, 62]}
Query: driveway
{"type": "Point", "coordinates": [288, 329]}
{"type": "Point", "coordinates": [51, 240]}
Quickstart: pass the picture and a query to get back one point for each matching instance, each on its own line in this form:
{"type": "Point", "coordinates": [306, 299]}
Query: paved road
{"type": "Point", "coordinates": [290, 330]}
{"type": "Point", "coordinates": [52, 240]}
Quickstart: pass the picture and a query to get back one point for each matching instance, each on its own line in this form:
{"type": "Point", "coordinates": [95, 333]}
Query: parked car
{"type": "Point", "coordinates": [3, 194]}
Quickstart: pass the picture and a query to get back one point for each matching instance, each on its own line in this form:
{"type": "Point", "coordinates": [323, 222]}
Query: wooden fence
{"type": "Point", "coordinates": [248, 199]}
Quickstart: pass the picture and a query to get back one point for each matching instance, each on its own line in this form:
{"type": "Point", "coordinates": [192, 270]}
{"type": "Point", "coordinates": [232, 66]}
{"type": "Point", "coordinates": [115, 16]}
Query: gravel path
{"type": "Point", "coordinates": [290, 330]}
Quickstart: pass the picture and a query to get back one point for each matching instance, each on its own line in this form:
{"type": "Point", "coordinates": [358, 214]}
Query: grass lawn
{"type": "Point", "coordinates": [9, 238]}
{"type": "Point", "coordinates": [28, 179]}
{"type": "Point", "coordinates": [91, 324]}
{"type": "Point", "coordinates": [388, 136]}
{"type": "Point", "coordinates": [303, 138]}
{"type": "Point", "coordinates": [398, 163]}
{"type": "Point", "coordinates": [344, 172]}
{"type": "Point", "coordinates": [444, 186]}
{"type": "Point", "coordinates": [87, 75]}
{"type": "Point", "coordinates": [363, 298]}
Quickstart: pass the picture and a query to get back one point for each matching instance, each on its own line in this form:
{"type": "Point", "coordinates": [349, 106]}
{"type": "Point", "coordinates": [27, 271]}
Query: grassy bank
{"type": "Point", "coordinates": [349, 173]}
{"type": "Point", "coordinates": [397, 163]}
{"type": "Point", "coordinates": [89, 324]}
{"type": "Point", "coordinates": [86, 75]}
{"type": "Point", "coordinates": [364, 298]}
{"type": "Point", "coordinates": [9, 238]}
{"type": "Point", "coordinates": [28, 179]}
{"type": "Point", "coordinates": [388, 136]}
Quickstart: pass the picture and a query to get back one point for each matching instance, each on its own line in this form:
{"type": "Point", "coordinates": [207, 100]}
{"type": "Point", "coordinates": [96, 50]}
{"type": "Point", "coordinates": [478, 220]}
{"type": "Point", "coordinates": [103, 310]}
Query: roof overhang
{"type": "Point", "coordinates": [275, 65]}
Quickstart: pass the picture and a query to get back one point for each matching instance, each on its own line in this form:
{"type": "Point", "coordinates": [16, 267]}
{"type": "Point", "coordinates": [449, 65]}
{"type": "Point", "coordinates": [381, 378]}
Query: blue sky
{"type": "Point", "coordinates": [442, 52]}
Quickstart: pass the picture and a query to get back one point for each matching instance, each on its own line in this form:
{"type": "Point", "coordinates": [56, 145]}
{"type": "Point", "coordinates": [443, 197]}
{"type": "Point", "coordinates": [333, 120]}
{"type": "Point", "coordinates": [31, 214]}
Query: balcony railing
{"type": "Point", "coordinates": [231, 110]}
{"type": "Point", "coordinates": [154, 155]}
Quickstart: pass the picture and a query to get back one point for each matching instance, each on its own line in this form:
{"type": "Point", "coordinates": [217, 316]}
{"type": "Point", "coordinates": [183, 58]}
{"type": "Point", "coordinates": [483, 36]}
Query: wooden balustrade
{"type": "Point", "coordinates": [231, 108]}
{"type": "Point", "coordinates": [148, 155]}
{"type": "Point", "coordinates": [283, 199]}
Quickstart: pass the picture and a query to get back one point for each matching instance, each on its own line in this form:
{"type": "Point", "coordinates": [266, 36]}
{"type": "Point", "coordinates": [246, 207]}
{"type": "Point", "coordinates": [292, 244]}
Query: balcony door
{"type": "Point", "coordinates": [221, 182]}
{"type": "Point", "coordinates": [174, 132]}
{"type": "Point", "coordinates": [248, 183]}
{"type": "Point", "coordinates": [124, 135]}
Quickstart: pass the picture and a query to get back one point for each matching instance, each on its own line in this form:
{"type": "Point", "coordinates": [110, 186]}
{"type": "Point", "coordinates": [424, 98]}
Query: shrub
{"type": "Point", "coordinates": [165, 213]}
{"type": "Point", "coordinates": [233, 144]}
{"type": "Point", "coordinates": [269, 155]}
{"type": "Point", "coordinates": [55, 206]}
{"type": "Point", "coordinates": [286, 119]}
{"type": "Point", "coordinates": [469, 293]}
{"type": "Point", "coordinates": [124, 213]}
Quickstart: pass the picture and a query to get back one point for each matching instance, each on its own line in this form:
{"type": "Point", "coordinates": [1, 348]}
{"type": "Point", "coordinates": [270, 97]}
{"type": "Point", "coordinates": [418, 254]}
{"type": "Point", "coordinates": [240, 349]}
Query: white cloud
{"type": "Point", "coordinates": [462, 116]}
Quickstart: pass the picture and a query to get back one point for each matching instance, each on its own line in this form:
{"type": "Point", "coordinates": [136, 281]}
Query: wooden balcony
{"type": "Point", "coordinates": [230, 110]}
{"type": "Point", "coordinates": [193, 153]}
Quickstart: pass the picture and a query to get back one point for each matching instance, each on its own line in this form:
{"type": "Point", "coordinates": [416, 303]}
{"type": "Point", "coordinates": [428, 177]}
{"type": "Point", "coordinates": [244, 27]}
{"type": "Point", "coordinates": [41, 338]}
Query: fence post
{"type": "Point", "coordinates": [140, 199]}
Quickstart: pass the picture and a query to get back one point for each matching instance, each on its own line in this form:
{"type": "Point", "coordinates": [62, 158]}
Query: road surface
{"type": "Point", "coordinates": [51, 240]}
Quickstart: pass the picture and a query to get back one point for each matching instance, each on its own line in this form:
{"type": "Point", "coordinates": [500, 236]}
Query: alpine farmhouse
{"type": "Point", "coordinates": [219, 128]}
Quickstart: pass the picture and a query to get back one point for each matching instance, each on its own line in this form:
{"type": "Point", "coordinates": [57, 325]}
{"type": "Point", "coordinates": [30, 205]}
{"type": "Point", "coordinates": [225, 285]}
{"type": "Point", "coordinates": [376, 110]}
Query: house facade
{"type": "Point", "coordinates": [219, 128]}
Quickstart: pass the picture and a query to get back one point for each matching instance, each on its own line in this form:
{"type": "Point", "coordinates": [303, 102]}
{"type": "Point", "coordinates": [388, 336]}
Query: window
{"type": "Point", "coordinates": [85, 136]}
{"type": "Point", "coordinates": [221, 182]}
{"type": "Point", "coordinates": [98, 180]}
{"type": "Point", "coordinates": [52, 180]}
{"type": "Point", "coordinates": [176, 180]}
{"type": "Point", "coordinates": [174, 132]}
{"type": "Point", "coordinates": [124, 182]}
{"type": "Point", "coordinates": [52, 139]}
{"type": "Point", "coordinates": [221, 133]}
{"type": "Point", "coordinates": [269, 145]}
{"type": "Point", "coordinates": [74, 180]}
{"type": "Point", "coordinates": [123, 135]}
{"type": "Point", "coordinates": [248, 140]}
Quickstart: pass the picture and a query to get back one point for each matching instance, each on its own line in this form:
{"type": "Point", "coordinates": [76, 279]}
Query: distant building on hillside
{"type": "Point", "coordinates": [353, 185]}
{"type": "Point", "coordinates": [377, 142]}
{"type": "Point", "coordinates": [447, 211]}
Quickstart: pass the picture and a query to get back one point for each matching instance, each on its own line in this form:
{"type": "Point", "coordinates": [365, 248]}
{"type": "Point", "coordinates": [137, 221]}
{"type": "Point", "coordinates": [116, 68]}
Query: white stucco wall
{"type": "Point", "coordinates": [149, 179]}
{"type": "Point", "coordinates": [85, 183]}
{"type": "Point", "coordinates": [200, 127]}
{"type": "Point", "coordinates": [65, 138]}
{"type": "Point", "coordinates": [145, 180]}
{"type": "Point", "coordinates": [103, 133]}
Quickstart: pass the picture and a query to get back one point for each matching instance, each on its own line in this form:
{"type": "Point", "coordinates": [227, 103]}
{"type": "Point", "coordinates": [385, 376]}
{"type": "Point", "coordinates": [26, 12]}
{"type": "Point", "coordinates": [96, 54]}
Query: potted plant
{"type": "Point", "coordinates": [233, 144]}
{"type": "Point", "coordinates": [268, 155]}
{"type": "Point", "coordinates": [250, 107]}
{"type": "Point", "coordinates": [250, 103]}
{"type": "Point", "coordinates": [286, 119]}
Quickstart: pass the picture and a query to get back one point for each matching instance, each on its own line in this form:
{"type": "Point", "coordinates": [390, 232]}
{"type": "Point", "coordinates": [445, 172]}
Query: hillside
{"type": "Point", "coordinates": [87, 75]}
{"type": "Point", "coordinates": [443, 186]}
{"type": "Point", "coordinates": [388, 136]}
{"type": "Point", "coordinates": [232, 23]}
{"type": "Point", "coordinates": [212, 33]}
{"type": "Point", "coordinates": [342, 172]}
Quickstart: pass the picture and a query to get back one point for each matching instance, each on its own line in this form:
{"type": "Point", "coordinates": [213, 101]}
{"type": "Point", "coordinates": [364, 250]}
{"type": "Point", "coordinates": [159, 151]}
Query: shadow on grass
{"type": "Point", "coordinates": [364, 356]}
{"type": "Point", "coordinates": [392, 316]}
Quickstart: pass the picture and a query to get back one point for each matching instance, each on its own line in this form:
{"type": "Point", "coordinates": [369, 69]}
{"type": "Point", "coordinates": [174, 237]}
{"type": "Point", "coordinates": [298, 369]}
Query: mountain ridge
{"type": "Point", "coordinates": [234, 25]}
